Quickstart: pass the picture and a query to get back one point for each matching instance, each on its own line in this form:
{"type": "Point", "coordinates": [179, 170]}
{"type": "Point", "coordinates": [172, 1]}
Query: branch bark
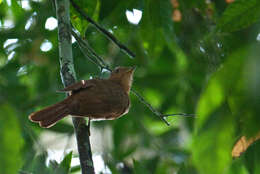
{"type": "Point", "coordinates": [68, 77]}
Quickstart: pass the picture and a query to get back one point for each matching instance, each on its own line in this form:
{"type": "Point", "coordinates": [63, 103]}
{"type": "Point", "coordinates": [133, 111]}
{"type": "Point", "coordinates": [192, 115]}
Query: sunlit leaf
{"type": "Point", "coordinates": [212, 147]}
{"type": "Point", "coordinates": [215, 123]}
{"type": "Point", "coordinates": [219, 85]}
{"type": "Point", "coordinates": [155, 127]}
{"type": "Point", "coordinates": [11, 140]}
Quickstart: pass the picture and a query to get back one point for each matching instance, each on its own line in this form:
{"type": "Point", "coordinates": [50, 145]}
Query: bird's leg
{"type": "Point", "coordinates": [89, 126]}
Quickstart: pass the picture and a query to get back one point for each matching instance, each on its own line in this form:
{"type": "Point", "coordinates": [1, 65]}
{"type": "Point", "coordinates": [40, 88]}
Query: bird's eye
{"type": "Point", "coordinates": [116, 70]}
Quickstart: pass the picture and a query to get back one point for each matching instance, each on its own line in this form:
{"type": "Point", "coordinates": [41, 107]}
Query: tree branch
{"type": "Point", "coordinates": [89, 52]}
{"type": "Point", "coordinates": [68, 77]}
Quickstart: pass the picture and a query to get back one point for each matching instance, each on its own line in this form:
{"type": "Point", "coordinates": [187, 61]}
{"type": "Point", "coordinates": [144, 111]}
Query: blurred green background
{"type": "Point", "coordinates": [197, 57]}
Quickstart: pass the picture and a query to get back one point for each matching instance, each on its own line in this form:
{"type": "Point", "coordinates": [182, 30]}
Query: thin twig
{"type": "Point", "coordinates": [160, 115]}
{"type": "Point", "coordinates": [92, 52]}
{"type": "Point", "coordinates": [89, 52]}
{"type": "Point", "coordinates": [180, 114]}
{"type": "Point", "coordinates": [102, 30]}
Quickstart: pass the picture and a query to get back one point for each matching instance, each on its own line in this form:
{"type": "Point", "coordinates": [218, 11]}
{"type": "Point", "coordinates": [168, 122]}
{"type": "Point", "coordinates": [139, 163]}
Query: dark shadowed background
{"type": "Point", "coordinates": [198, 57]}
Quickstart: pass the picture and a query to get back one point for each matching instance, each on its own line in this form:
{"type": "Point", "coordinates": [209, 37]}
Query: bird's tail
{"type": "Point", "coordinates": [49, 116]}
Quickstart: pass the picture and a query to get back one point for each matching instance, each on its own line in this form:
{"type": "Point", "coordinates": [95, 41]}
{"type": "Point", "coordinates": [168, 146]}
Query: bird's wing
{"type": "Point", "coordinates": [77, 86]}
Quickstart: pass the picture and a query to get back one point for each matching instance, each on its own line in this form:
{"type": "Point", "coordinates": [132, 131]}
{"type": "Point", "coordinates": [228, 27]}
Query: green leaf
{"type": "Point", "coordinates": [252, 158]}
{"type": "Point", "coordinates": [215, 123]}
{"type": "Point", "coordinates": [64, 166]}
{"type": "Point", "coordinates": [238, 167]}
{"type": "Point", "coordinates": [155, 127]}
{"type": "Point", "coordinates": [16, 9]}
{"type": "Point", "coordinates": [75, 169]}
{"type": "Point", "coordinates": [239, 15]}
{"type": "Point", "coordinates": [77, 20]}
{"type": "Point", "coordinates": [139, 168]}
{"type": "Point", "coordinates": [38, 165]}
{"type": "Point", "coordinates": [212, 146]}
{"type": "Point", "coordinates": [11, 142]}
{"type": "Point", "coordinates": [219, 85]}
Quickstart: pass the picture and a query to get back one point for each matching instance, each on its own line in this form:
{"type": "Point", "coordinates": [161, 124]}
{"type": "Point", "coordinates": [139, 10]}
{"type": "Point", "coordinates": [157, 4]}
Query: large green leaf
{"type": "Point", "coordinates": [215, 123]}
{"type": "Point", "coordinates": [220, 85]}
{"type": "Point", "coordinates": [11, 141]}
{"type": "Point", "coordinates": [240, 14]}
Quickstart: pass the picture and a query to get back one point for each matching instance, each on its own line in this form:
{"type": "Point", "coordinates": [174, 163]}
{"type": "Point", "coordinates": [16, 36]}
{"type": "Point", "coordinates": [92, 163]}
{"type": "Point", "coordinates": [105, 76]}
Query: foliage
{"type": "Point", "coordinates": [207, 63]}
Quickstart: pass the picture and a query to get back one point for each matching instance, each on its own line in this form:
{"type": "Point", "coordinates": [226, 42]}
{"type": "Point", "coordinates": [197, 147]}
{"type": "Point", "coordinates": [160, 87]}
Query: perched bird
{"type": "Point", "coordinates": [98, 99]}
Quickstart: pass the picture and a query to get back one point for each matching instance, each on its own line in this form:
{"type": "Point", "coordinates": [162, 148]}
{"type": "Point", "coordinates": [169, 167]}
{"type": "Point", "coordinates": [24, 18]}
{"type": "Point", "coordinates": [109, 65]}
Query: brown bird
{"type": "Point", "coordinates": [98, 99]}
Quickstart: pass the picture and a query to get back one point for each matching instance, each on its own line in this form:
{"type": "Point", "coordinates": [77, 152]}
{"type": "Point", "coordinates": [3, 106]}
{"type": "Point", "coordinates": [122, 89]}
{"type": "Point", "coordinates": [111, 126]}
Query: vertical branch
{"type": "Point", "coordinates": [68, 77]}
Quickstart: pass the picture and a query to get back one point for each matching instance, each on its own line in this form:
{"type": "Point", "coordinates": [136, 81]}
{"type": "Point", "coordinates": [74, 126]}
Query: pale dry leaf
{"type": "Point", "coordinates": [242, 144]}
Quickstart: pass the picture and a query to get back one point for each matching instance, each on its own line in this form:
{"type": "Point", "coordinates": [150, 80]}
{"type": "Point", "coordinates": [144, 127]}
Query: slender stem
{"type": "Point", "coordinates": [160, 115]}
{"type": "Point", "coordinates": [89, 52]}
{"type": "Point", "coordinates": [68, 76]}
{"type": "Point", "coordinates": [102, 30]}
{"type": "Point", "coordinates": [180, 114]}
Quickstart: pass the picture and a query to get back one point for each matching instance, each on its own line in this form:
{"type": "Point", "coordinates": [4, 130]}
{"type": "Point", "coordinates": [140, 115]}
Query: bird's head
{"type": "Point", "coordinates": [123, 75]}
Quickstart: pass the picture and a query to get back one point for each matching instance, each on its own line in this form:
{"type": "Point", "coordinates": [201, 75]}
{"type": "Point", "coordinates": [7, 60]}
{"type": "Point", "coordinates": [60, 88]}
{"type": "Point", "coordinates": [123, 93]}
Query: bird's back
{"type": "Point", "coordinates": [105, 99]}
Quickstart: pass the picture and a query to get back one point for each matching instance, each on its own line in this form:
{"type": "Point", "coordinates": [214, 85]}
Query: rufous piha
{"type": "Point", "coordinates": [98, 99]}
